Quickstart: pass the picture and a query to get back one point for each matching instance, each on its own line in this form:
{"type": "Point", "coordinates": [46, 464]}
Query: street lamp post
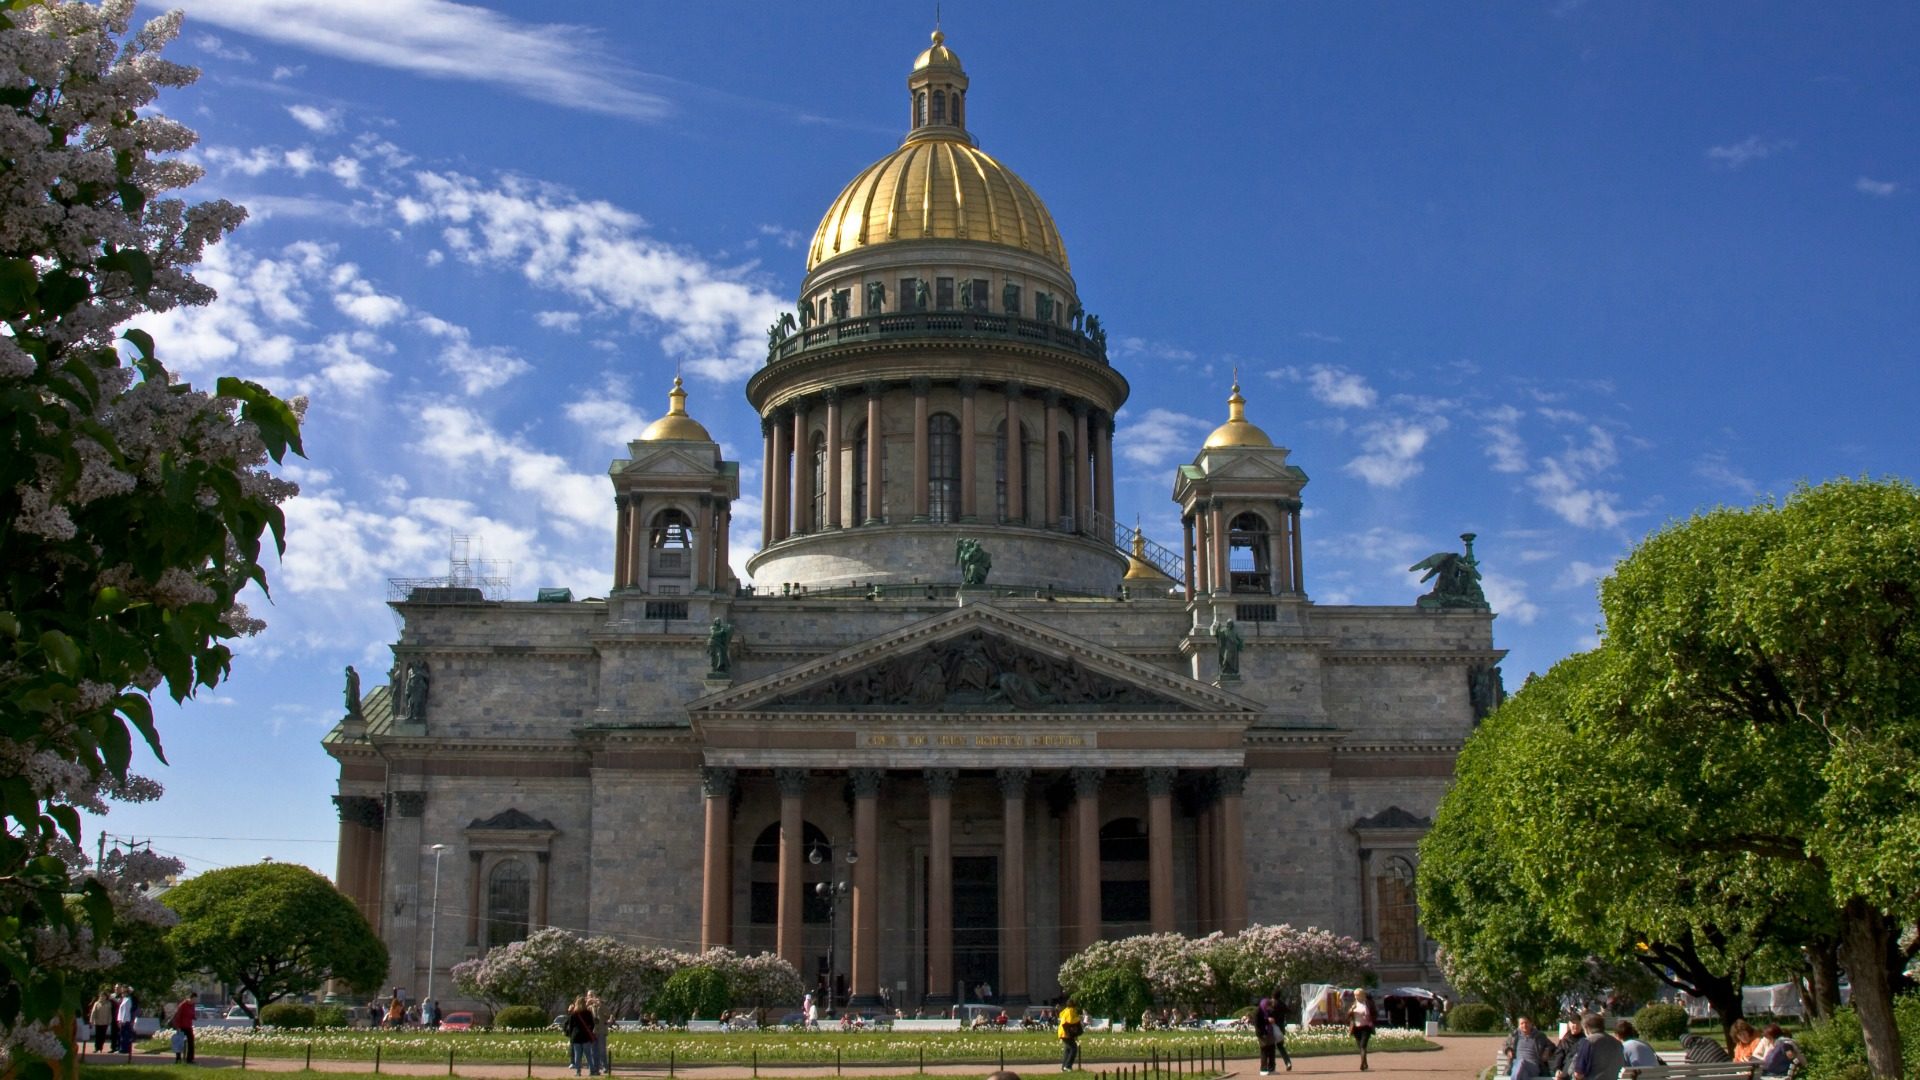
{"type": "Point", "coordinates": [433, 920]}
{"type": "Point", "coordinates": [833, 892]}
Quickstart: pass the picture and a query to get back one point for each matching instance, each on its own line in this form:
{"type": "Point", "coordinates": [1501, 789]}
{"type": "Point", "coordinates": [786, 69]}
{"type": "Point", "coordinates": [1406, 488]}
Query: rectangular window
{"type": "Point", "coordinates": [666, 609]}
{"type": "Point", "coordinates": [910, 295]}
{"type": "Point", "coordinates": [943, 293]}
{"type": "Point", "coordinates": [1257, 612]}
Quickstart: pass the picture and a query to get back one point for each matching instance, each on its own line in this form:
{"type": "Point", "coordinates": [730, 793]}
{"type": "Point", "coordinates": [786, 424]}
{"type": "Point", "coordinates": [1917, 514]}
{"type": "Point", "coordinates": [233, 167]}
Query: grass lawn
{"type": "Point", "coordinates": [770, 1047]}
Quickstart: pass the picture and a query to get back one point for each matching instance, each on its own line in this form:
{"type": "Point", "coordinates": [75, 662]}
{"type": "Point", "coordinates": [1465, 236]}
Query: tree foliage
{"type": "Point", "coordinates": [133, 509]}
{"type": "Point", "coordinates": [275, 929]}
{"type": "Point", "coordinates": [1219, 972]}
{"type": "Point", "coordinates": [696, 992]}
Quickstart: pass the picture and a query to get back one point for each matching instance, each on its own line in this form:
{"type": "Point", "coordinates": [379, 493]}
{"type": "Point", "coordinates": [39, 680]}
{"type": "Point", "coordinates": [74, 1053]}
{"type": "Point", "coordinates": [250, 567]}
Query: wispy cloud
{"type": "Point", "coordinates": [1391, 449]}
{"type": "Point", "coordinates": [1157, 436]}
{"type": "Point", "coordinates": [1333, 385]}
{"type": "Point", "coordinates": [551, 62]}
{"type": "Point", "coordinates": [1867, 185]}
{"type": "Point", "coordinates": [213, 46]}
{"type": "Point", "coordinates": [1753, 148]}
{"type": "Point", "coordinates": [319, 121]}
{"type": "Point", "coordinates": [1564, 482]}
{"type": "Point", "coordinates": [1715, 469]}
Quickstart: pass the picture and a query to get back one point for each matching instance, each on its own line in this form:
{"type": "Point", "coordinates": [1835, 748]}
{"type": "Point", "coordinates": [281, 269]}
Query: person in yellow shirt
{"type": "Point", "coordinates": [1072, 1023]}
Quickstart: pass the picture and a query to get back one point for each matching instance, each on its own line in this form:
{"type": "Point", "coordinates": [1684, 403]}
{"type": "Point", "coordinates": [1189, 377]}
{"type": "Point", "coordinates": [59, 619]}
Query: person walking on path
{"type": "Point", "coordinates": [579, 1028]}
{"type": "Point", "coordinates": [601, 1023]}
{"type": "Point", "coordinates": [100, 1018]}
{"type": "Point", "coordinates": [1071, 1026]}
{"type": "Point", "coordinates": [1271, 1030]}
{"type": "Point", "coordinates": [1360, 1023]}
{"type": "Point", "coordinates": [123, 1017]}
{"type": "Point", "coordinates": [1527, 1050]}
{"type": "Point", "coordinates": [183, 1027]}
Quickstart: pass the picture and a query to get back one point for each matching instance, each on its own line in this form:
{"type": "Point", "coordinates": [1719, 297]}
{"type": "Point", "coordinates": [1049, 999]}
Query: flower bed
{"type": "Point", "coordinates": [771, 1047]}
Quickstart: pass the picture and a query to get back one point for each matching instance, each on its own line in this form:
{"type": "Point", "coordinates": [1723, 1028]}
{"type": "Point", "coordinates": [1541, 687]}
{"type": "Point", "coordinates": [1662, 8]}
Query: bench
{"type": "Point", "coordinates": [705, 1026]}
{"type": "Point", "coordinates": [1695, 1070]}
{"type": "Point", "coordinates": [946, 1024]}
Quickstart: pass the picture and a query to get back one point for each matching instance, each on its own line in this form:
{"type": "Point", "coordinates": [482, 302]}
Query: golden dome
{"type": "Point", "coordinates": [676, 426]}
{"type": "Point", "coordinates": [1138, 568]}
{"type": "Point", "coordinates": [1236, 431]}
{"type": "Point", "coordinates": [937, 188]}
{"type": "Point", "coordinates": [939, 54]}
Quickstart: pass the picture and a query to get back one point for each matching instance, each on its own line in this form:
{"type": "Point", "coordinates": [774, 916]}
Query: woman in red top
{"type": "Point", "coordinates": [183, 1023]}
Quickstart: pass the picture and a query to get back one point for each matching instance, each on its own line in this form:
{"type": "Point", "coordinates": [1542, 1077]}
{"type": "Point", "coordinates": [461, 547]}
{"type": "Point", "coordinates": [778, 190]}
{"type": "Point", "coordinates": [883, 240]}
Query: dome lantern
{"type": "Point", "coordinates": [937, 92]}
{"type": "Point", "coordinates": [1237, 431]}
{"type": "Point", "coordinates": [676, 426]}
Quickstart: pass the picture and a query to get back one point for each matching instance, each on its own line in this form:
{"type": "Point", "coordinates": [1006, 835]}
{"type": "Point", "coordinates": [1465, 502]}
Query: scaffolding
{"type": "Point", "coordinates": [469, 577]}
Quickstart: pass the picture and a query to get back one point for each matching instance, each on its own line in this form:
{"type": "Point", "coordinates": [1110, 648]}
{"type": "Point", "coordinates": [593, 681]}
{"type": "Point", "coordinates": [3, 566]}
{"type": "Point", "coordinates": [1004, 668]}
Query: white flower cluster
{"type": "Point", "coordinates": [26, 1042]}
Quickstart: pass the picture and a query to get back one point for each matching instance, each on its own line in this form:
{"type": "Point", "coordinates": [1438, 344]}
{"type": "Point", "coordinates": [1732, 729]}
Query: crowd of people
{"type": "Point", "coordinates": [1586, 1050]}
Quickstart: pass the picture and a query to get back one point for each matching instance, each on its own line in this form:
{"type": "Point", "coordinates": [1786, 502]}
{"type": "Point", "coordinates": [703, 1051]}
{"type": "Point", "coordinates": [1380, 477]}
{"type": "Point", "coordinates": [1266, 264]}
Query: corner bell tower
{"type": "Point", "coordinates": [674, 497]}
{"type": "Point", "coordinates": [1240, 506]}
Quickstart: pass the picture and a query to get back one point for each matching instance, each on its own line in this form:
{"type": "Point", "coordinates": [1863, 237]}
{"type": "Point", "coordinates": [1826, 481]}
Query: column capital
{"type": "Point", "coordinates": [874, 387]}
{"type": "Point", "coordinates": [1015, 388]}
{"type": "Point", "coordinates": [968, 386]}
{"type": "Point", "coordinates": [793, 782]}
{"type": "Point", "coordinates": [1013, 782]}
{"type": "Point", "coordinates": [716, 781]}
{"type": "Point", "coordinates": [767, 424]}
{"type": "Point", "coordinates": [360, 810]}
{"type": "Point", "coordinates": [831, 395]}
{"type": "Point", "coordinates": [1230, 781]}
{"type": "Point", "coordinates": [781, 414]}
{"type": "Point", "coordinates": [1160, 780]}
{"type": "Point", "coordinates": [409, 804]}
{"type": "Point", "coordinates": [1081, 410]}
{"type": "Point", "coordinates": [921, 384]}
{"type": "Point", "coordinates": [1086, 782]}
{"type": "Point", "coordinates": [866, 782]}
{"type": "Point", "coordinates": [940, 782]}
{"type": "Point", "coordinates": [474, 857]}
{"type": "Point", "coordinates": [1051, 397]}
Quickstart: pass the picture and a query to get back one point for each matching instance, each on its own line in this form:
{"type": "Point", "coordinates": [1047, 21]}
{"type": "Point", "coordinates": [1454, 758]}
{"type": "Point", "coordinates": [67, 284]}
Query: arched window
{"type": "Point", "coordinates": [1125, 896]}
{"type": "Point", "coordinates": [859, 473]}
{"type": "Point", "coordinates": [958, 97]}
{"type": "Point", "coordinates": [943, 467]}
{"type": "Point", "coordinates": [670, 540]}
{"type": "Point", "coordinates": [1249, 553]}
{"type": "Point", "coordinates": [1065, 509]}
{"type": "Point", "coordinates": [818, 512]}
{"type": "Point", "coordinates": [919, 108]}
{"type": "Point", "coordinates": [939, 107]}
{"type": "Point", "coordinates": [509, 896]}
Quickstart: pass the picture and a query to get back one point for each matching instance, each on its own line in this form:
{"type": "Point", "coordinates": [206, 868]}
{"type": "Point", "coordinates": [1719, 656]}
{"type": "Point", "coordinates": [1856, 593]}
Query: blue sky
{"type": "Point", "coordinates": [1554, 273]}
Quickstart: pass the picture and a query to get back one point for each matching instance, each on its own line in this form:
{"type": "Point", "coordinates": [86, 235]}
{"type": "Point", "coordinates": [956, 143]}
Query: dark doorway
{"type": "Point", "coordinates": [976, 923]}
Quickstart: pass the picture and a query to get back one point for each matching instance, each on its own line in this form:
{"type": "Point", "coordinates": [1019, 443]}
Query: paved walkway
{"type": "Point", "coordinates": [1459, 1058]}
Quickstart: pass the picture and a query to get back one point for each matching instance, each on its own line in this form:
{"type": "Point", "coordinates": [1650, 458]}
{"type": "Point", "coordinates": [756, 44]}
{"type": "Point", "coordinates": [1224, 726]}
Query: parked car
{"type": "Point", "coordinates": [458, 1021]}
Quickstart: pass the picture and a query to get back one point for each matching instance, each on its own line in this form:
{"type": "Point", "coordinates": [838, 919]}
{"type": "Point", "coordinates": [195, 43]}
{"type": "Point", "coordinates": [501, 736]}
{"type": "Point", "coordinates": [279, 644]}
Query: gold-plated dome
{"type": "Point", "coordinates": [938, 55]}
{"type": "Point", "coordinates": [1237, 431]}
{"type": "Point", "coordinates": [676, 426]}
{"type": "Point", "coordinates": [1138, 568]}
{"type": "Point", "coordinates": [937, 188]}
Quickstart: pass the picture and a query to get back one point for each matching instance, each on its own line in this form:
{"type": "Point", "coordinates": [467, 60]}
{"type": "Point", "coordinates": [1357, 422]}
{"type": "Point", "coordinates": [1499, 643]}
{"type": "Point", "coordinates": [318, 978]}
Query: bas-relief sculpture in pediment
{"type": "Point", "coordinates": [974, 672]}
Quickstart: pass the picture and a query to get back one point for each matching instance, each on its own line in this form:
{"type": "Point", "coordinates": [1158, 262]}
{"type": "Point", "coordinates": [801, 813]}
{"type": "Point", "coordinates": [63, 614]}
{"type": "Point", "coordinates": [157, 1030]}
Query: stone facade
{"type": "Point", "coordinates": [1096, 741]}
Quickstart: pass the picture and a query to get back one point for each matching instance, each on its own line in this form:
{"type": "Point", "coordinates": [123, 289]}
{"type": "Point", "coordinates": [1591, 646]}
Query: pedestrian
{"type": "Point", "coordinates": [1602, 1056]}
{"type": "Point", "coordinates": [579, 1029]}
{"type": "Point", "coordinates": [124, 1015]}
{"type": "Point", "coordinates": [1360, 1022]}
{"type": "Point", "coordinates": [1572, 1038]}
{"type": "Point", "coordinates": [100, 1018]}
{"type": "Point", "coordinates": [183, 1027]}
{"type": "Point", "coordinates": [1072, 1024]}
{"type": "Point", "coordinates": [1271, 1030]}
{"type": "Point", "coordinates": [397, 1011]}
{"type": "Point", "coordinates": [602, 1022]}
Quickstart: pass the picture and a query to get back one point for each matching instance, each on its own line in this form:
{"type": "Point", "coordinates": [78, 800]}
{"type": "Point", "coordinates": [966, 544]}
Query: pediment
{"type": "Point", "coordinates": [513, 819]}
{"type": "Point", "coordinates": [665, 460]}
{"type": "Point", "coordinates": [1249, 465]}
{"type": "Point", "coordinates": [977, 659]}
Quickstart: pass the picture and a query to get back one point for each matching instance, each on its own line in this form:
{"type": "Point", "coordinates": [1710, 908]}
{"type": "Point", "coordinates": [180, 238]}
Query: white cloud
{"type": "Point", "coordinates": [567, 322]}
{"type": "Point", "coordinates": [555, 63]}
{"type": "Point", "coordinates": [576, 503]}
{"type": "Point", "coordinates": [478, 367]}
{"type": "Point", "coordinates": [1132, 348]}
{"type": "Point", "coordinates": [359, 301]}
{"type": "Point", "coordinates": [1157, 436]}
{"type": "Point", "coordinates": [288, 71]}
{"type": "Point", "coordinates": [1562, 482]}
{"type": "Point", "coordinates": [1336, 386]}
{"type": "Point", "coordinates": [607, 414]}
{"type": "Point", "coordinates": [1748, 150]}
{"type": "Point", "coordinates": [1392, 448]}
{"type": "Point", "coordinates": [213, 46]}
{"type": "Point", "coordinates": [710, 319]}
{"type": "Point", "coordinates": [1867, 185]}
{"type": "Point", "coordinates": [317, 120]}
{"type": "Point", "coordinates": [787, 238]}
{"type": "Point", "coordinates": [1504, 445]}
{"type": "Point", "coordinates": [1508, 597]}
{"type": "Point", "coordinates": [1714, 469]}
{"type": "Point", "coordinates": [1580, 574]}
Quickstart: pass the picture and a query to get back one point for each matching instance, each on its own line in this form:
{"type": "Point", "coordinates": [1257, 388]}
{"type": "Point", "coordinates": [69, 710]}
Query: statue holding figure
{"type": "Point", "coordinates": [974, 561]}
{"type": "Point", "coordinates": [966, 294]}
{"type": "Point", "coordinates": [1455, 577]}
{"type": "Point", "coordinates": [1228, 642]}
{"type": "Point", "coordinates": [842, 299]}
{"type": "Point", "coordinates": [920, 296]}
{"type": "Point", "coordinates": [719, 648]}
{"type": "Point", "coordinates": [353, 695]}
{"type": "Point", "coordinates": [876, 297]}
{"type": "Point", "coordinates": [1097, 334]}
{"type": "Point", "coordinates": [417, 684]}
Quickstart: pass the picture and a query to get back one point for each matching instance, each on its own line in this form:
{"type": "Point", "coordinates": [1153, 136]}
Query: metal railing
{"type": "Point", "coordinates": [1159, 556]}
{"type": "Point", "coordinates": [934, 324]}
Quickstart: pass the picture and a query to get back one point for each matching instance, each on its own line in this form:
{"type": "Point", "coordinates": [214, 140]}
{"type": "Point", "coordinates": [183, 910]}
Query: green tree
{"type": "Point", "coordinates": [276, 930]}
{"type": "Point", "coordinates": [694, 993]}
{"type": "Point", "coordinates": [1119, 993]}
{"type": "Point", "coordinates": [132, 508]}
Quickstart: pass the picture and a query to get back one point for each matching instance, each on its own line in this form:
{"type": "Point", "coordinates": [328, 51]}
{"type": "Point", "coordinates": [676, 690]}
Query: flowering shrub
{"type": "Point", "coordinates": [1219, 973]}
{"type": "Point", "coordinates": [132, 507]}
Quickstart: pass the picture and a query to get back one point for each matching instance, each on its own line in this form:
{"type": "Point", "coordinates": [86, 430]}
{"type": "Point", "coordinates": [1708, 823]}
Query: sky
{"type": "Point", "coordinates": [1555, 273]}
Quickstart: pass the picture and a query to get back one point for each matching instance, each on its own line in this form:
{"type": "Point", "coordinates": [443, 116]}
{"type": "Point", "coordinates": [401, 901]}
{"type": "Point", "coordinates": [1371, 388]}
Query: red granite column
{"type": "Point", "coordinates": [473, 897]}
{"type": "Point", "coordinates": [939, 886]}
{"type": "Point", "coordinates": [969, 444]}
{"type": "Point", "coordinates": [834, 518]}
{"type": "Point", "coordinates": [1050, 458]}
{"type": "Point", "coordinates": [1233, 864]}
{"type": "Point", "coordinates": [921, 481]}
{"type": "Point", "coordinates": [1013, 885]}
{"type": "Point", "coordinates": [622, 534]}
{"type": "Point", "coordinates": [866, 888]}
{"type": "Point", "coordinates": [716, 876]}
{"type": "Point", "coordinates": [782, 474]}
{"type": "Point", "coordinates": [1186, 529]}
{"type": "Point", "coordinates": [1299, 567]}
{"type": "Point", "coordinates": [1103, 466]}
{"type": "Point", "coordinates": [1086, 842]}
{"type": "Point", "coordinates": [1160, 848]}
{"type": "Point", "coordinates": [1082, 473]}
{"type": "Point", "coordinates": [1016, 460]}
{"type": "Point", "coordinates": [802, 472]}
{"type": "Point", "coordinates": [789, 933]}
{"type": "Point", "coordinates": [768, 466]}
{"type": "Point", "coordinates": [875, 496]}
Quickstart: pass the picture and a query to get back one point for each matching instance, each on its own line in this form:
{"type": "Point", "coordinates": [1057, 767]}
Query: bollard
{"type": "Point", "coordinates": [669, 1062]}
{"type": "Point", "coordinates": [376, 1057]}
{"type": "Point", "coordinates": [529, 1063]}
{"type": "Point", "coordinates": [836, 1061]}
{"type": "Point", "coordinates": [243, 1055]}
{"type": "Point", "coordinates": [756, 1063]}
{"type": "Point", "coordinates": [449, 1061]}
{"type": "Point", "coordinates": [310, 1057]}
{"type": "Point", "coordinates": [923, 1061]}
{"type": "Point", "coordinates": [1003, 1059]}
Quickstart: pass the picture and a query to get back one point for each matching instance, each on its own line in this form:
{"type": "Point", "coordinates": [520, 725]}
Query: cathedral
{"type": "Point", "coordinates": [961, 723]}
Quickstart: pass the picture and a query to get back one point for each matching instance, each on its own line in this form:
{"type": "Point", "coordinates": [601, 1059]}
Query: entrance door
{"type": "Point", "coordinates": [976, 922]}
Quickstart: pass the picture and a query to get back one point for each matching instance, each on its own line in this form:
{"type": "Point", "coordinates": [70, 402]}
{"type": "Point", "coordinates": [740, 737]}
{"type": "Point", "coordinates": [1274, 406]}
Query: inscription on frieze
{"type": "Point", "coordinates": [946, 740]}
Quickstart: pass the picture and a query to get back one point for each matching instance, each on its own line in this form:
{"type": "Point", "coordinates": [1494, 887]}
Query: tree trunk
{"type": "Point", "coordinates": [1680, 966]}
{"type": "Point", "coordinates": [1867, 940]}
{"type": "Point", "coordinates": [1823, 978]}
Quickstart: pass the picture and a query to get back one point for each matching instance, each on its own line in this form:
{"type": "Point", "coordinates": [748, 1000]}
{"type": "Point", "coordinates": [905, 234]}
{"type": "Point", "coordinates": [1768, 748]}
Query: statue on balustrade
{"type": "Point", "coordinates": [353, 695]}
{"type": "Point", "coordinates": [876, 297]}
{"type": "Point", "coordinates": [966, 294]}
{"type": "Point", "coordinates": [842, 300]}
{"type": "Point", "coordinates": [974, 561]}
{"type": "Point", "coordinates": [1010, 299]}
{"type": "Point", "coordinates": [418, 683]}
{"type": "Point", "coordinates": [1455, 577]}
{"type": "Point", "coordinates": [1228, 643]}
{"type": "Point", "coordinates": [719, 648]}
